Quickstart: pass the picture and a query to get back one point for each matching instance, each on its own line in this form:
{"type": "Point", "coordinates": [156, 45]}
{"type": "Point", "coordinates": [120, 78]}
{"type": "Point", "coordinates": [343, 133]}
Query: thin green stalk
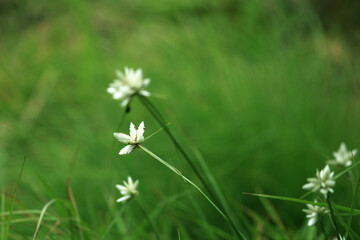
{"type": "Point", "coordinates": [342, 208]}
{"type": "Point", "coordinates": [112, 223]}
{"type": "Point", "coordinates": [148, 219]}
{"type": "Point", "coordinates": [332, 214]}
{"type": "Point", "coordinates": [13, 200]}
{"type": "Point", "coordinates": [190, 182]}
{"type": "Point", "coordinates": [356, 191]}
{"type": "Point", "coordinates": [346, 170]}
{"type": "Point", "coordinates": [158, 117]}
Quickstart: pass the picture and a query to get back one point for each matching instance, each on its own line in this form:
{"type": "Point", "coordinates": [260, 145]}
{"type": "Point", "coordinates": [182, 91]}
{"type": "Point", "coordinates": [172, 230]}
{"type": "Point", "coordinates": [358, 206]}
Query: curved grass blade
{"type": "Point", "coordinates": [190, 182]}
{"type": "Point", "coordinates": [42, 215]}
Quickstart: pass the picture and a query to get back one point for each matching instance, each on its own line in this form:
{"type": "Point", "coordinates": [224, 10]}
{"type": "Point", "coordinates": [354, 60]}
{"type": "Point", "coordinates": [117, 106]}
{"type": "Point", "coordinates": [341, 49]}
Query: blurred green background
{"type": "Point", "coordinates": [266, 90]}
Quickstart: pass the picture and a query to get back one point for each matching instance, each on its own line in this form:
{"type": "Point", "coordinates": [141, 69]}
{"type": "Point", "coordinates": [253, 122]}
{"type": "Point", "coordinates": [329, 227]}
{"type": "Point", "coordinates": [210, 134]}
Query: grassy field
{"type": "Point", "coordinates": [260, 90]}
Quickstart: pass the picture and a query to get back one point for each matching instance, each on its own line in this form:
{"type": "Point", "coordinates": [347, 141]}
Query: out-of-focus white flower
{"type": "Point", "coordinates": [128, 84]}
{"type": "Point", "coordinates": [343, 156]}
{"type": "Point", "coordinates": [128, 190]}
{"type": "Point", "coordinates": [133, 140]}
{"type": "Point", "coordinates": [323, 182]}
{"type": "Point", "coordinates": [313, 213]}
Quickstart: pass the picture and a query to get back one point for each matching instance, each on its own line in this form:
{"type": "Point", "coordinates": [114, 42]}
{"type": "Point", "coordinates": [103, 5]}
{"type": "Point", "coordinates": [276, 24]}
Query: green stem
{"type": "Point", "coordinates": [148, 219]}
{"type": "Point", "coordinates": [332, 214]}
{"type": "Point", "coordinates": [356, 191]}
{"type": "Point", "coordinates": [158, 117]}
{"type": "Point", "coordinates": [172, 168]}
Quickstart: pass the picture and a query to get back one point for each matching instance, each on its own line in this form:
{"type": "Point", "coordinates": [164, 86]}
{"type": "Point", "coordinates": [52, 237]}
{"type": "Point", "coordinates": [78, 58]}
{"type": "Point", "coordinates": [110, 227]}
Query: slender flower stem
{"type": "Point", "coordinates": [148, 219]}
{"type": "Point", "coordinates": [332, 215]}
{"type": "Point", "coordinates": [158, 117]}
{"type": "Point", "coordinates": [112, 223]}
{"type": "Point", "coordinates": [172, 168]}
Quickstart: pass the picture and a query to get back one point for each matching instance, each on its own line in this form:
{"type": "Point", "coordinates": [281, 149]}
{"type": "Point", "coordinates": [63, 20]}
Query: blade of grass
{"type": "Point", "coordinates": [346, 170]}
{"type": "Point", "coordinates": [342, 208]}
{"type": "Point", "coordinates": [148, 219]}
{"type": "Point", "coordinates": [112, 223]}
{"type": "Point", "coordinates": [353, 201]}
{"type": "Point", "coordinates": [73, 203]}
{"type": "Point", "coordinates": [191, 183]}
{"type": "Point", "coordinates": [41, 216]}
{"type": "Point", "coordinates": [332, 215]}
{"type": "Point", "coordinates": [158, 117]}
{"type": "Point", "coordinates": [7, 226]}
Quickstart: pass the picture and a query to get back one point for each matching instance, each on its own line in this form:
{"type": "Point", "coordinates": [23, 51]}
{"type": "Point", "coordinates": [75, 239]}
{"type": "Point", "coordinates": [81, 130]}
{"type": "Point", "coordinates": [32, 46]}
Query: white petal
{"type": "Point", "coordinates": [145, 93]}
{"type": "Point", "coordinates": [132, 131]}
{"type": "Point", "coordinates": [312, 221]}
{"type": "Point", "coordinates": [124, 198]}
{"type": "Point", "coordinates": [146, 82]}
{"type": "Point", "coordinates": [121, 137]}
{"type": "Point", "coordinates": [120, 187]}
{"type": "Point", "coordinates": [136, 183]}
{"type": "Point", "coordinates": [130, 181]}
{"type": "Point", "coordinates": [119, 74]}
{"type": "Point", "coordinates": [125, 102]}
{"type": "Point", "coordinates": [140, 132]}
{"type": "Point", "coordinates": [127, 149]}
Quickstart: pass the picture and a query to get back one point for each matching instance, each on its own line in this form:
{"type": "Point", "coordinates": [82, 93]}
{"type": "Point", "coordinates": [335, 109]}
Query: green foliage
{"type": "Point", "coordinates": [258, 87]}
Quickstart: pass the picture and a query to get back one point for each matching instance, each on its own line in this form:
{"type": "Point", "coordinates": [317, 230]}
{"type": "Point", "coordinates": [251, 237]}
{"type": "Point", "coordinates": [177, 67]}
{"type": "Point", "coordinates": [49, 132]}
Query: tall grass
{"type": "Point", "coordinates": [262, 91]}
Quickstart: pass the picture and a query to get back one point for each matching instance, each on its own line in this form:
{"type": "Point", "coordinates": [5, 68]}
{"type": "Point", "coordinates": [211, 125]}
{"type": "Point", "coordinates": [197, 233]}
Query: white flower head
{"type": "Point", "coordinates": [323, 182]}
{"type": "Point", "coordinates": [128, 84]}
{"type": "Point", "coordinates": [343, 156]}
{"type": "Point", "coordinates": [128, 190]}
{"type": "Point", "coordinates": [313, 213]}
{"type": "Point", "coordinates": [133, 140]}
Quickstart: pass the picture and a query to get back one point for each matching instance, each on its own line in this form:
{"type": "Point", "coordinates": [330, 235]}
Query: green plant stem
{"type": "Point", "coordinates": [112, 223]}
{"type": "Point", "coordinates": [158, 117]}
{"type": "Point", "coordinates": [148, 219]}
{"type": "Point", "coordinates": [342, 208]}
{"type": "Point", "coordinates": [356, 192]}
{"type": "Point", "coordinates": [172, 168]}
{"type": "Point", "coordinates": [332, 214]}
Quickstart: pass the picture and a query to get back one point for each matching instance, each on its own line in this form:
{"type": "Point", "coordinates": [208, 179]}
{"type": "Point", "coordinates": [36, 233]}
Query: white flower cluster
{"type": "Point", "coordinates": [343, 156]}
{"type": "Point", "coordinates": [128, 190]}
{"type": "Point", "coordinates": [324, 181]}
{"type": "Point", "coordinates": [313, 213]}
{"type": "Point", "coordinates": [133, 140]}
{"type": "Point", "coordinates": [128, 84]}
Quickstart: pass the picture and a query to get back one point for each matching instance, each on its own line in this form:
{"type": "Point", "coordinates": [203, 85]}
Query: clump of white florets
{"type": "Point", "coordinates": [313, 212]}
{"type": "Point", "coordinates": [343, 156]}
{"type": "Point", "coordinates": [128, 190]}
{"type": "Point", "coordinates": [323, 183]}
{"type": "Point", "coordinates": [133, 140]}
{"type": "Point", "coordinates": [128, 84]}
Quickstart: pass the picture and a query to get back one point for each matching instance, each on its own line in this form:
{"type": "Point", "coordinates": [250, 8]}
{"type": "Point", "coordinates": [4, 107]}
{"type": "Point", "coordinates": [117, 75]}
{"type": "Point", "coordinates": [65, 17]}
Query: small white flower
{"type": "Point", "coordinates": [128, 190]}
{"type": "Point", "coordinates": [133, 140]}
{"type": "Point", "coordinates": [128, 84]}
{"type": "Point", "coordinates": [323, 182]}
{"type": "Point", "coordinates": [313, 213]}
{"type": "Point", "coordinates": [343, 156]}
